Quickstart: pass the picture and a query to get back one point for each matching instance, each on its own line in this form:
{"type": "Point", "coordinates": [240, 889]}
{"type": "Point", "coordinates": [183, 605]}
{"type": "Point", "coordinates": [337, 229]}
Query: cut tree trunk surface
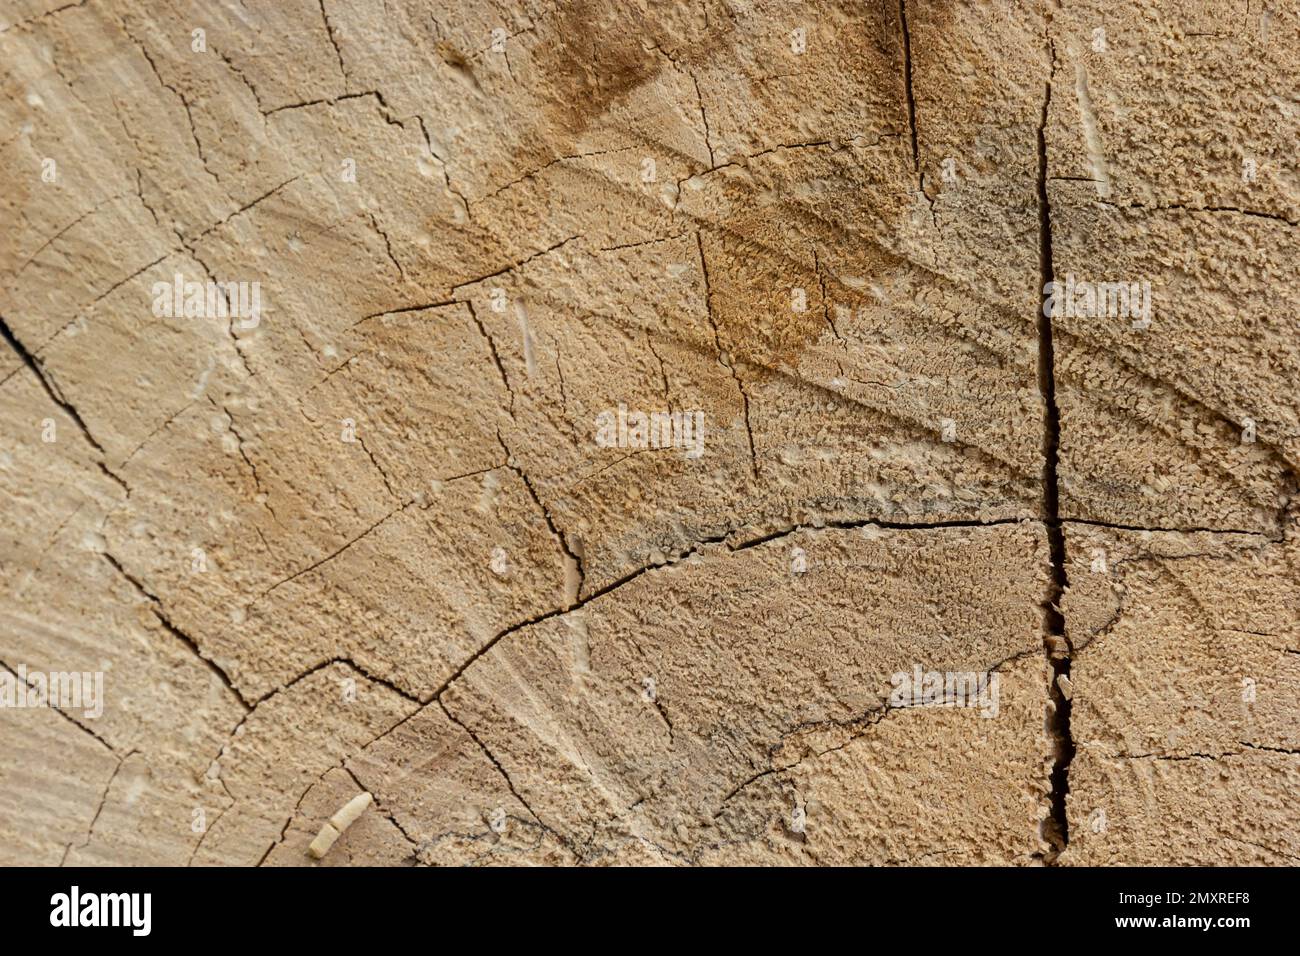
{"type": "Point", "coordinates": [679, 433]}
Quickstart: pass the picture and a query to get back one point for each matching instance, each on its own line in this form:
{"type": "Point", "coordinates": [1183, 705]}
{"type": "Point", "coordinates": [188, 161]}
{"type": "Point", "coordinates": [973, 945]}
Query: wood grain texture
{"type": "Point", "coordinates": [378, 534]}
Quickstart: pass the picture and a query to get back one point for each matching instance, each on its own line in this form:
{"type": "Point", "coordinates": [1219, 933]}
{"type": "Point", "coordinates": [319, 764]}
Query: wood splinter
{"type": "Point", "coordinates": [334, 827]}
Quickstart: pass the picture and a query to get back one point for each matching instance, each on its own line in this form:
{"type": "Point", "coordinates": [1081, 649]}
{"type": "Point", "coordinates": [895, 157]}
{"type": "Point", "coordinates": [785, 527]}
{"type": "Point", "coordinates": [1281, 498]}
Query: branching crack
{"type": "Point", "coordinates": [189, 111]}
{"type": "Point", "coordinates": [862, 722]}
{"type": "Point", "coordinates": [754, 542]}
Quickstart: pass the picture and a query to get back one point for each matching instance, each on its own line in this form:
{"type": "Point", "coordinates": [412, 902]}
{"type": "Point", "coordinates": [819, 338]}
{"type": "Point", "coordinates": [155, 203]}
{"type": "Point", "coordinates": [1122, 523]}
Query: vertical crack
{"type": "Point", "coordinates": [496, 356]}
{"type": "Point", "coordinates": [663, 370]}
{"type": "Point", "coordinates": [243, 453]}
{"type": "Point", "coordinates": [103, 799]}
{"type": "Point", "coordinates": [910, 94]}
{"type": "Point", "coordinates": [329, 29]}
{"type": "Point", "coordinates": [907, 77]}
{"type": "Point", "coordinates": [575, 575]}
{"type": "Point", "coordinates": [382, 474]}
{"type": "Point", "coordinates": [726, 361]}
{"type": "Point", "coordinates": [827, 306]}
{"type": "Point", "coordinates": [704, 118]}
{"type": "Point", "coordinates": [388, 245]}
{"type": "Point", "coordinates": [1055, 641]}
